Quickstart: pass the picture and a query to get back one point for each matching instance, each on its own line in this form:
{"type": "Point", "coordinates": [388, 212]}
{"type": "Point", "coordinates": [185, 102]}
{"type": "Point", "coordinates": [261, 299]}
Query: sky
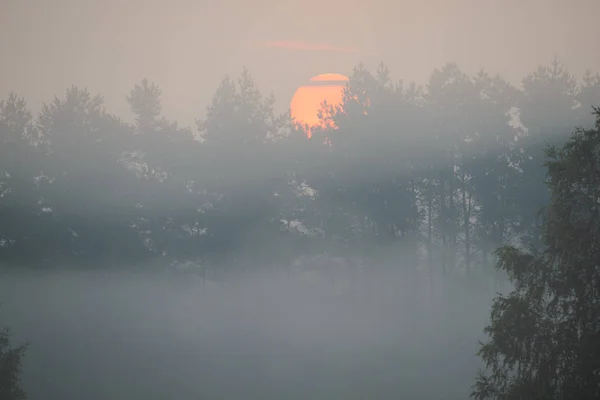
{"type": "Point", "coordinates": [188, 46]}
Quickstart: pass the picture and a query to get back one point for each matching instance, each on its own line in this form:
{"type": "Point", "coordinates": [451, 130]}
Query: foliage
{"type": "Point", "coordinates": [544, 336]}
{"type": "Point", "coordinates": [448, 170]}
{"type": "Point", "coordinates": [10, 368]}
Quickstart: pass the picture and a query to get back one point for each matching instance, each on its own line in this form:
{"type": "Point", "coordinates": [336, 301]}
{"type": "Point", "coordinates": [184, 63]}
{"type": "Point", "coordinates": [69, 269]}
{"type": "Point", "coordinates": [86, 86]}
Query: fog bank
{"type": "Point", "coordinates": [292, 335]}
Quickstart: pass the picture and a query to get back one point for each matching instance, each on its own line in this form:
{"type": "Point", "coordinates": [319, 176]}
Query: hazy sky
{"type": "Point", "coordinates": [187, 46]}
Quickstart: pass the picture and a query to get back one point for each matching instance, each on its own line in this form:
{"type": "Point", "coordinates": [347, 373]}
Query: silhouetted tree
{"type": "Point", "coordinates": [144, 100]}
{"type": "Point", "coordinates": [544, 341]}
{"type": "Point", "coordinates": [487, 177]}
{"type": "Point", "coordinates": [19, 165]}
{"type": "Point", "coordinates": [547, 106]}
{"type": "Point", "coordinates": [239, 169]}
{"type": "Point", "coordinates": [587, 97]}
{"type": "Point", "coordinates": [11, 368]}
{"type": "Point", "coordinates": [162, 155]}
{"type": "Point", "coordinates": [83, 179]}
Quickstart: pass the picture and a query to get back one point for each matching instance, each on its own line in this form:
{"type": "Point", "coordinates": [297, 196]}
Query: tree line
{"type": "Point", "coordinates": [449, 172]}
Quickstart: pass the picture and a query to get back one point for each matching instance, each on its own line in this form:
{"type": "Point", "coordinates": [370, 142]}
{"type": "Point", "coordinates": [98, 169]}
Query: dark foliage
{"type": "Point", "coordinates": [545, 335]}
{"type": "Point", "coordinates": [10, 368]}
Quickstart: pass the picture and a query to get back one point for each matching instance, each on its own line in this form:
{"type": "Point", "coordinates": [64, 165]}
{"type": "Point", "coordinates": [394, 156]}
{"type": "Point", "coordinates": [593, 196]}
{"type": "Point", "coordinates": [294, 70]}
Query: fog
{"type": "Point", "coordinates": [296, 334]}
{"type": "Point", "coordinates": [168, 231]}
{"type": "Point", "coordinates": [187, 46]}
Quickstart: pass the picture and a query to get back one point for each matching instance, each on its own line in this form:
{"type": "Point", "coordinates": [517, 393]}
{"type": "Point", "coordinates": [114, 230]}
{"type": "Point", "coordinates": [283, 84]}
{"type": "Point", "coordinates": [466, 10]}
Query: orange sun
{"type": "Point", "coordinates": [307, 100]}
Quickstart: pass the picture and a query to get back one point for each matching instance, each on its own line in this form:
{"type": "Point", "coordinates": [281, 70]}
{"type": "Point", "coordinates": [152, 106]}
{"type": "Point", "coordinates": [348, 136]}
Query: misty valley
{"type": "Point", "coordinates": [420, 242]}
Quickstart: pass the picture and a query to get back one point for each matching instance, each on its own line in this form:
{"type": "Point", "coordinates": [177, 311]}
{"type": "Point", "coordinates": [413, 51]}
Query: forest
{"type": "Point", "coordinates": [468, 182]}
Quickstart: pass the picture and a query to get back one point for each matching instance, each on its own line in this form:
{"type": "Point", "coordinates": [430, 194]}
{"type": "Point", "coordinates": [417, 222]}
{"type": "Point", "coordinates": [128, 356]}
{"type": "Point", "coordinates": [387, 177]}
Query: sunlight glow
{"type": "Point", "coordinates": [308, 99]}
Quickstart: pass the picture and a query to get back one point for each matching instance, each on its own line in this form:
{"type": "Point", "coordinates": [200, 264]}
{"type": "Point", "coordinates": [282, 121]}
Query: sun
{"type": "Point", "coordinates": [307, 99]}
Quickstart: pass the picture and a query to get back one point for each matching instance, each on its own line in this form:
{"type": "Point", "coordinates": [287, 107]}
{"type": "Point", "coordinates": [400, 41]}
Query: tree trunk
{"type": "Point", "coordinates": [451, 223]}
{"type": "Point", "coordinates": [466, 200]}
{"type": "Point", "coordinates": [443, 225]}
{"type": "Point", "coordinates": [429, 236]}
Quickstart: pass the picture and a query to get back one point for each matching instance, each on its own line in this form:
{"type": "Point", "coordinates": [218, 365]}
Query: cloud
{"type": "Point", "coordinates": [305, 46]}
